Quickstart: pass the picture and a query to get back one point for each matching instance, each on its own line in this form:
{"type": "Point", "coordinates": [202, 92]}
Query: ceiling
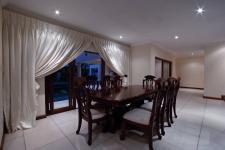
{"type": "Point", "coordinates": [139, 21]}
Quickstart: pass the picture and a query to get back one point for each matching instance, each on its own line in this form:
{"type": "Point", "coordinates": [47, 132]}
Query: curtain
{"type": "Point", "coordinates": [34, 49]}
{"type": "Point", "coordinates": [57, 47]}
{"type": "Point", "coordinates": [115, 55]}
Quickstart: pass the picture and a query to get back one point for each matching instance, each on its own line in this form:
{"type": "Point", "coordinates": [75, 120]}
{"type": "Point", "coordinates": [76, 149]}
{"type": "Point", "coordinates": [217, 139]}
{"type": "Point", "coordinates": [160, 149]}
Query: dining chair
{"type": "Point", "coordinates": [86, 111]}
{"type": "Point", "coordinates": [146, 121]}
{"type": "Point", "coordinates": [117, 81]}
{"type": "Point", "coordinates": [148, 83]}
{"type": "Point", "coordinates": [172, 95]}
{"type": "Point", "coordinates": [166, 106]}
{"type": "Point", "coordinates": [164, 114]}
{"type": "Point", "coordinates": [92, 83]}
{"type": "Point", "coordinates": [93, 86]}
{"type": "Point", "coordinates": [106, 83]}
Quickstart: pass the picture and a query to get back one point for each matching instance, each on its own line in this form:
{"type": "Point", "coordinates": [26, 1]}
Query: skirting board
{"type": "Point", "coordinates": [214, 98]}
{"type": "Point", "coordinates": [192, 88]}
{"type": "Point", "coordinates": [41, 117]}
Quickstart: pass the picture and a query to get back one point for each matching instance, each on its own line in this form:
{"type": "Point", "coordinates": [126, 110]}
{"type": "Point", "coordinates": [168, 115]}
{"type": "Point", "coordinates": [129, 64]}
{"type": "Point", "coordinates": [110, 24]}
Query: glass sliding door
{"type": "Point", "coordinates": [158, 68]}
{"type": "Point", "coordinates": [59, 90]}
{"type": "Point", "coordinates": [166, 69]}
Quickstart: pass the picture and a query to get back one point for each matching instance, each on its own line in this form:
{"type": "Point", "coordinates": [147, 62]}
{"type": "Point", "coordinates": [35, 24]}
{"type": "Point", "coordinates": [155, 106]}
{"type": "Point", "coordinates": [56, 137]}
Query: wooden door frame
{"type": "Point", "coordinates": [163, 61]}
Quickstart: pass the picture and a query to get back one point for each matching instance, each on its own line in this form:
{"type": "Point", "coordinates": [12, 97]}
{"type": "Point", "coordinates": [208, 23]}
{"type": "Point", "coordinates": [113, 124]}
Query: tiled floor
{"type": "Point", "coordinates": [200, 126]}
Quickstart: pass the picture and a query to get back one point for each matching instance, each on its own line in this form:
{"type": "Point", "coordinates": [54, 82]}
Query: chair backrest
{"type": "Point", "coordinates": [83, 97]}
{"type": "Point", "coordinates": [92, 84]}
{"type": "Point", "coordinates": [117, 81]}
{"type": "Point", "coordinates": [107, 82]}
{"type": "Point", "coordinates": [148, 81]}
{"type": "Point", "coordinates": [159, 95]}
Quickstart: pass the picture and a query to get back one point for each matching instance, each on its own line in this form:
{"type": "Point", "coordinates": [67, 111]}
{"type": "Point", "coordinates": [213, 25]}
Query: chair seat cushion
{"type": "Point", "coordinates": [148, 106]}
{"type": "Point", "coordinates": [138, 115]}
{"type": "Point", "coordinates": [97, 114]}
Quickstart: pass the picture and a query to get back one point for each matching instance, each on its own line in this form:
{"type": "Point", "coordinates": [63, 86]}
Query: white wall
{"type": "Point", "coordinates": [215, 71]}
{"type": "Point", "coordinates": [1, 98]}
{"type": "Point", "coordinates": [140, 63]}
{"type": "Point", "coordinates": [143, 61]}
{"type": "Point", "coordinates": [191, 71]}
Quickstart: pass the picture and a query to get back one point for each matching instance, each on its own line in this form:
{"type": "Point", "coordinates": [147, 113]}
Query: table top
{"type": "Point", "coordinates": [122, 95]}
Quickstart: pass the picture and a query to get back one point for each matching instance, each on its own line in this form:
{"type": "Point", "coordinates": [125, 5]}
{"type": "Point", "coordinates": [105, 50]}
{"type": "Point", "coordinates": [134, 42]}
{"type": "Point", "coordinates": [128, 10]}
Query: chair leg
{"type": "Point", "coordinates": [107, 124]}
{"type": "Point", "coordinates": [79, 125]}
{"type": "Point", "coordinates": [174, 109]}
{"type": "Point", "coordinates": [150, 141]}
{"type": "Point", "coordinates": [89, 133]}
{"type": "Point", "coordinates": [168, 117]}
{"type": "Point", "coordinates": [158, 132]}
{"type": "Point", "coordinates": [171, 114]}
{"type": "Point", "coordinates": [123, 130]}
{"type": "Point", "coordinates": [162, 124]}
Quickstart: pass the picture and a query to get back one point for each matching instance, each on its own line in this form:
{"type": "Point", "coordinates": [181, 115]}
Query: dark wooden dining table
{"type": "Point", "coordinates": [121, 96]}
{"type": "Point", "coordinates": [118, 98]}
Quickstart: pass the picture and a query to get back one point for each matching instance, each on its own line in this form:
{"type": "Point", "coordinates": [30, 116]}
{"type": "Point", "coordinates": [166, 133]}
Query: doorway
{"type": "Point", "coordinates": [59, 85]}
{"type": "Point", "coordinates": [163, 68]}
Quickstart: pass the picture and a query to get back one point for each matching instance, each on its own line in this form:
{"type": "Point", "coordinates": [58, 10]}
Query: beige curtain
{"type": "Point", "coordinates": [33, 49]}
{"type": "Point", "coordinates": [115, 55]}
{"type": "Point", "coordinates": [57, 47]}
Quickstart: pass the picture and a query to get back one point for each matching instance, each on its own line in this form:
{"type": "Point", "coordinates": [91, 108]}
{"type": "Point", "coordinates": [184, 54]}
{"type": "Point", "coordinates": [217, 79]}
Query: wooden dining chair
{"type": "Point", "coordinates": [166, 106]}
{"type": "Point", "coordinates": [164, 114]}
{"type": "Point", "coordinates": [86, 111]}
{"type": "Point", "coordinates": [92, 84]}
{"type": "Point", "coordinates": [106, 83]}
{"type": "Point", "coordinates": [148, 83]}
{"type": "Point", "coordinates": [117, 81]}
{"type": "Point", "coordinates": [146, 121]}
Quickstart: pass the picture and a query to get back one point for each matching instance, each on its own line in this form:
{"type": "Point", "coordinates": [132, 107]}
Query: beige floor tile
{"type": "Point", "coordinates": [15, 144]}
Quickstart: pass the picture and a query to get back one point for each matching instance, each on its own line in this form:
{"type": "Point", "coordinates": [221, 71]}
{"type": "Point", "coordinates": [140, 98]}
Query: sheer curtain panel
{"type": "Point", "coordinates": [115, 55]}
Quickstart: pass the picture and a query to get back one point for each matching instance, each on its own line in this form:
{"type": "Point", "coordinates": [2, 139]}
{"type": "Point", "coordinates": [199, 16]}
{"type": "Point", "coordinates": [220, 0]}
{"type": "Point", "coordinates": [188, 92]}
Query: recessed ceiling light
{"type": "Point", "coordinates": [121, 36]}
{"type": "Point", "coordinates": [57, 12]}
{"type": "Point", "coordinates": [176, 37]}
{"type": "Point", "coordinates": [200, 10]}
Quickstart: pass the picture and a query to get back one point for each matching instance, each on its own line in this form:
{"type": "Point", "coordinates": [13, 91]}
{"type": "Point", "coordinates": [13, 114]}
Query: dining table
{"type": "Point", "coordinates": [121, 99]}
{"type": "Point", "coordinates": [123, 95]}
